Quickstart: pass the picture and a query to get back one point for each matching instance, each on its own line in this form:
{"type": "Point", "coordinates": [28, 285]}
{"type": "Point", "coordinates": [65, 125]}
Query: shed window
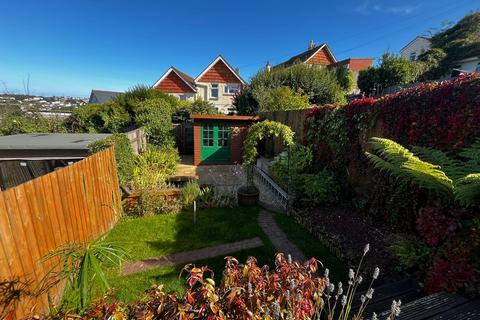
{"type": "Point", "coordinates": [223, 132]}
{"type": "Point", "coordinates": [208, 135]}
{"type": "Point", "coordinates": [214, 91]}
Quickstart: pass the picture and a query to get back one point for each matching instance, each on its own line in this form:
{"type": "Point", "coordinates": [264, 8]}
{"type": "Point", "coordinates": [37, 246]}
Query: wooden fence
{"type": "Point", "coordinates": [75, 204]}
{"type": "Point", "coordinates": [295, 119]}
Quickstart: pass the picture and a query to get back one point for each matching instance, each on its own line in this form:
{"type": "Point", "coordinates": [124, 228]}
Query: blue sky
{"type": "Point", "coordinates": [68, 47]}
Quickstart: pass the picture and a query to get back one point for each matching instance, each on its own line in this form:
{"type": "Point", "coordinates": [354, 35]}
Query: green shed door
{"type": "Point", "coordinates": [215, 143]}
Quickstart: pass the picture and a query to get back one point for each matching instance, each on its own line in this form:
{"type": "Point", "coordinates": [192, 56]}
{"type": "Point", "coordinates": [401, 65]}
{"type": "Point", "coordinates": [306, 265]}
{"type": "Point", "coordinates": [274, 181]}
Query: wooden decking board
{"type": "Point", "coordinates": [386, 293]}
{"type": "Point", "coordinates": [467, 311]}
{"type": "Point", "coordinates": [429, 306]}
{"type": "Point", "coordinates": [386, 304]}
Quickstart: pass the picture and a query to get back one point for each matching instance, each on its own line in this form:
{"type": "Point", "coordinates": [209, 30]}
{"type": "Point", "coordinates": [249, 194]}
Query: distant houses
{"type": "Point", "coordinates": [217, 83]}
{"type": "Point", "coordinates": [322, 55]}
{"type": "Point", "coordinates": [412, 50]}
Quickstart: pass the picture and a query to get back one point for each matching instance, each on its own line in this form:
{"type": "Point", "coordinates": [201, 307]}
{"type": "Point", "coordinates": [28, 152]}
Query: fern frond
{"type": "Point", "coordinates": [467, 189]}
{"type": "Point", "coordinates": [453, 168]}
{"type": "Point", "coordinates": [473, 152]}
{"type": "Point", "coordinates": [399, 161]}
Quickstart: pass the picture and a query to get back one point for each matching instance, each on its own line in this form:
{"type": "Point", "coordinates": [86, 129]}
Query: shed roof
{"type": "Point", "coordinates": [223, 117]}
{"type": "Point", "coordinates": [50, 141]}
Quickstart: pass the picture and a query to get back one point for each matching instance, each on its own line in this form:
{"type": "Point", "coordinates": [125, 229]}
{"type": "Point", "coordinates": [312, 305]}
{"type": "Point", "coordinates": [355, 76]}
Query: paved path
{"type": "Point", "coordinates": [190, 256]}
{"type": "Point", "coordinates": [278, 237]}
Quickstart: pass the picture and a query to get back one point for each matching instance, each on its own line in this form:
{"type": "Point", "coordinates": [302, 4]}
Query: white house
{"type": "Point", "coordinates": [217, 83]}
{"type": "Point", "coordinates": [415, 48]}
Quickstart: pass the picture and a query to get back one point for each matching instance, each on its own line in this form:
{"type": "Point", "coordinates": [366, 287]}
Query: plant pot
{"type": "Point", "coordinates": [247, 196]}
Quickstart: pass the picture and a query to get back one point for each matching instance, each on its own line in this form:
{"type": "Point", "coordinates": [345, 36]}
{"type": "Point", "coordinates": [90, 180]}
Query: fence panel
{"type": "Point", "coordinates": [75, 204]}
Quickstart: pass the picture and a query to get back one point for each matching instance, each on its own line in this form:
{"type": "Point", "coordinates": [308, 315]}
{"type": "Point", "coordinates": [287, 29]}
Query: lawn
{"type": "Point", "coordinates": [166, 234]}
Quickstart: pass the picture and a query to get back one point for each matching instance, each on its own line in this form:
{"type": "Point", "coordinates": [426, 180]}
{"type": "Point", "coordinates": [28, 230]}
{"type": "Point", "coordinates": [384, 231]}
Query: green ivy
{"type": "Point", "coordinates": [261, 130]}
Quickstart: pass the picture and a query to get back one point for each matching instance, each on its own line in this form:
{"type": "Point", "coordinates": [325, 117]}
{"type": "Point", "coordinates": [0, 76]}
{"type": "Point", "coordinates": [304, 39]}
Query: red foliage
{"type": "Point", "coordinates": [451, 276]}
{"type": "Point", "coordinates": [434, 226]}
{"type": "Point", "coordinates": [359, 106]}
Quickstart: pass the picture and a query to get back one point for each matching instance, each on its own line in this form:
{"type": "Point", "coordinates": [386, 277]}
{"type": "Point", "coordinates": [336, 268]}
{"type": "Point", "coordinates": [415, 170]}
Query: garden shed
{"type": "Point", "coordinates": [218, 139]}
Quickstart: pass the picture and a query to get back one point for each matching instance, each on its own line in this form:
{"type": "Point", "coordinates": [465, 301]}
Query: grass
{"type": "Point", "coordinates": [166, 234]}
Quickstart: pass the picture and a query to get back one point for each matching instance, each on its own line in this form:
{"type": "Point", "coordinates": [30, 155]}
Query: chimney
{"type": "Point", "coordinates": [312, 45]}
{"type": "Point", "coordinates": [268, 67]}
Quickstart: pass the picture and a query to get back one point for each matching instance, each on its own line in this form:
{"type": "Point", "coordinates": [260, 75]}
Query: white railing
{"type": "Point", "coordinates": [273, 187]}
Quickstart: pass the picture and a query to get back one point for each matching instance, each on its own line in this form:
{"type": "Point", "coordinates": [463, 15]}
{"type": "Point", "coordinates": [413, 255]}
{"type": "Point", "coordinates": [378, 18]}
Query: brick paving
{"type": "Point", "coordinates": [190, 256]}
{"type": "Point", "coordinates": [278, 237]}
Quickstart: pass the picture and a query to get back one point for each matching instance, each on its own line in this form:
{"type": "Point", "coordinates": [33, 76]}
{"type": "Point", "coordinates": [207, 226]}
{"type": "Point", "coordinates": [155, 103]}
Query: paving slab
{"type": "Point", "coordinates": [191, 256]}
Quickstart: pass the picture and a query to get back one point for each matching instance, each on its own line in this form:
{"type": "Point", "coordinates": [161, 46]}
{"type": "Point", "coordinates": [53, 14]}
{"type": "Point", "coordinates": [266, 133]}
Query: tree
{"type": "Point", "coordinates": [282, 98]}
{"type": "Point", "coordinates": [345, 78]}
{"type": "Point", "coordinates": [317, 83]}
{"type": "Point", "coordinates": [200, 106]}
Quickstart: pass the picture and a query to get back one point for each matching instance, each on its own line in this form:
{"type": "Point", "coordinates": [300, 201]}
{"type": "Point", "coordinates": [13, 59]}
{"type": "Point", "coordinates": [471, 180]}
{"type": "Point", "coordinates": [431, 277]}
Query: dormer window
{"type": "Point", "coordinates": [214, 91]}
{"type": "Point", "coordinates": [413, 56]}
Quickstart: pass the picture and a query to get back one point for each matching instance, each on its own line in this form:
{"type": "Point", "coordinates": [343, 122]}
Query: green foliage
{"type": "Point", "coordinates": [392, 71]}
{"type": "Point", "coordinates": [153, 167]}
{"type": "Point", "coordinates": [155, 116]}
{"type": "Point", "coordinates": [450, 178]}
{"type": "Point", "coordinates": [200, 106]}
{"type": "Point", "coordinates": [450, 45]}
{"type": "Point", "coordinates": [13, 123]}
{"type": "Point", "coordinates": [82, 267]}
{"type": "Point", "coordinates": [262, 130]}
{"type": "Point", "coordinates": [300, 159]}
{"type": "Point", "coordinates": [190, 193]}
{"type": "Point", "coordinates": [106, 117]}
{"type": "Point", "coordinates": [345, 78]}
{"type": "Point", "coordinates": [316, 188]}
{"type": "Point", "coordinates": [281, 98]}
{"type": "Point", "coordinates": [367, 80]}
{"type": "Point", "coordinates": [410, 251]}
{"type": "Point", "coordinates": [318, 84]}
{"type": "Point", "coordinates": [124, 156]}
{"type": "Point", "coordinates": [245, 102]}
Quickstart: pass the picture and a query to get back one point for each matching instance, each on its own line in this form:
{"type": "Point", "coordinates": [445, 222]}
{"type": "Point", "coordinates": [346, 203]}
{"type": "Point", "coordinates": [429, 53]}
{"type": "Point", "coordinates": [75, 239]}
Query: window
{"type": "Point", "coordinates": [207, 135]}
{"type": "Point", "coordinates": [214, 91]}
{"type": "Point", "coordinates": [223, 132]}
{"type": "Point", "coordinates": [413, 56]}
{"type": "Point", "coordinates": [232, 88]}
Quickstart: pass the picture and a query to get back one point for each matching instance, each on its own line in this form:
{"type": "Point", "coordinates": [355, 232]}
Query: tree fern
{"type": "Point", "coordinates": [399, 161]}
{"type": "Point", "coordinates": [454, 169]}
{"type": "Point", "coordinates": [467, 189]}
{"type": "Point", "coordinates": [473, 152]}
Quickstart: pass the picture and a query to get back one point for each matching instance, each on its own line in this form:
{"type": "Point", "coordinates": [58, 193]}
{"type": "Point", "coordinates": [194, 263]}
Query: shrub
{"type": "Point", "coordinates": [316, 188]}
{"type": "Point", "coordinates": [291, 290]}
{"type": "Point", "coordinates": [392, 71]}
{"type": "Point", "coordinates": [410, 251]}
{"type": "Point", "coordinates": [190, 193]}
{"type": "Point", "coordinates": [155, 116]}
{"type": "Point", "coordinates": [200, 106]}
{"type": "Point", "coordinates": [345, 78]}
{"type": "Point", "coordinates": [80, 267]}
{"type": "Point", "coordinates": [282, 168]}
{"type": "Point", "coordinates": [106, 117]}
{"type": "Point", "coordinates": [16, 124]}
{"type": "Point", "coordinates": [281, 98]}
{"type": "Point", "coordinates": [153, 167]}
{"type": "Point", "coordinates": [124, 156]}
{"type": "Point", "coordinates": [318, 84]}
{"type": "Point", "coordinates": [154, 201]}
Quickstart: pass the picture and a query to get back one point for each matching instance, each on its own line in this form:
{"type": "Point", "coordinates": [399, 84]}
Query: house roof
{"type": "Point", "coordinates": [189, 81]}
{"type": "Point", "coordinates": [223, 117]}
{"type": "Point", "coordinates": [50, 141]}
{"type": "Point", "coordinates": [306, 55]}
{"type": "Point", "coordinates": [101, 96]}
{"type": "Point", "coordinates": [414, 39]}
{"type": "Point", "coordinates": [217, 59]}
{"type": "Point", "coordinates": [355, 64]}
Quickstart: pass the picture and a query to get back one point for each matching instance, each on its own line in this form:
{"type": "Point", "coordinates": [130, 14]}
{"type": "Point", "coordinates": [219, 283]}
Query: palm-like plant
{"type": "Point", "coordinates": [431, 169]}
{"type": "Point", "coordinates": [81, 266]}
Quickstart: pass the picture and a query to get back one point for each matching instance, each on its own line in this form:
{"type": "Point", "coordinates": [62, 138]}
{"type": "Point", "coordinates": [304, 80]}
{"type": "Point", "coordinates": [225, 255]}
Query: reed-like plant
{"type": "Point", "coordinates": [82, 268]}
